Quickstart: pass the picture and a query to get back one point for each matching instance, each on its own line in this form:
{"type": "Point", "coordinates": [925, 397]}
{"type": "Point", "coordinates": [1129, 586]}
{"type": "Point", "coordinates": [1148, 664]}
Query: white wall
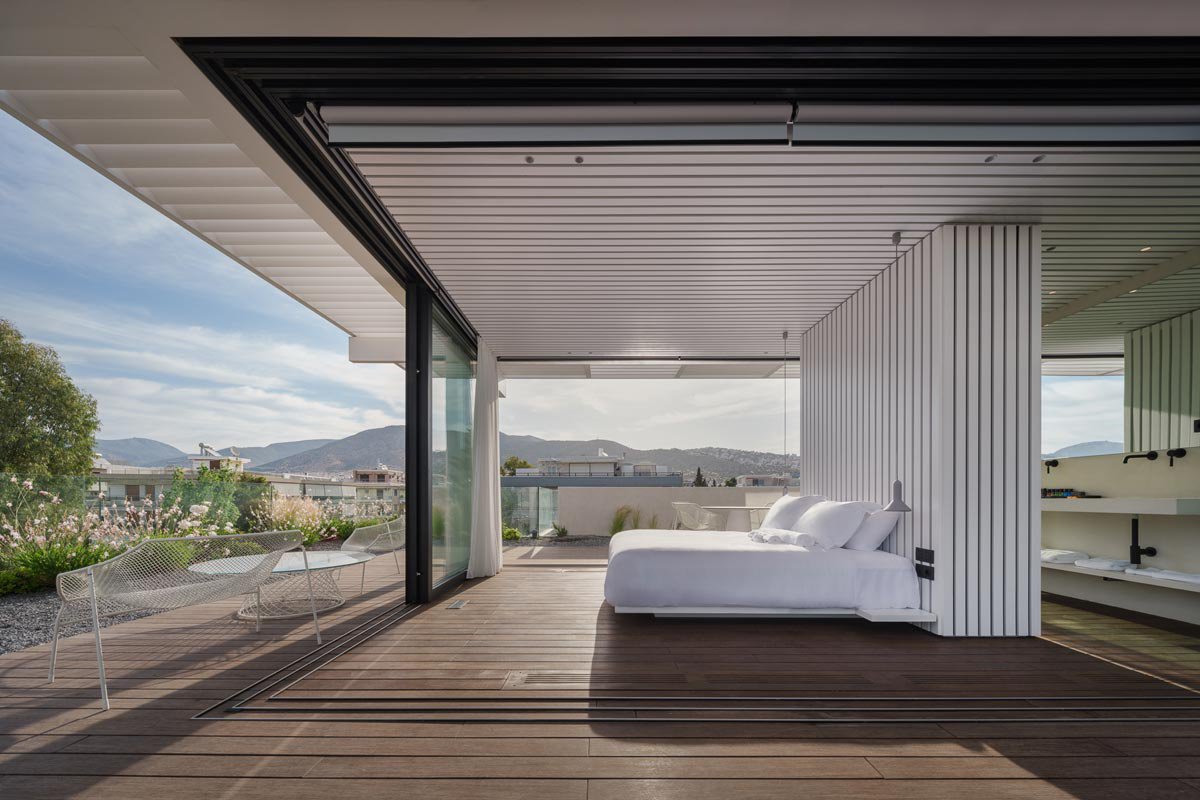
{"type": "Point", "coordinates": [929, 374]}
{"type": "Point", "coordinates": [1162, 384]}
{"type": "Point", "coordinates": [590, 509]}
{"type": "Point", "coordinates": [1108, 534]}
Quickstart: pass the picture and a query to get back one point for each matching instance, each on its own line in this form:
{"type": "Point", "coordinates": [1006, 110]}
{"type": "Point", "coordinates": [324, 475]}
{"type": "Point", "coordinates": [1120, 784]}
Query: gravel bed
{"type": "Point", "coordinates": [567, 541]}
{"type": "Point", "coordinates": [28, 619]}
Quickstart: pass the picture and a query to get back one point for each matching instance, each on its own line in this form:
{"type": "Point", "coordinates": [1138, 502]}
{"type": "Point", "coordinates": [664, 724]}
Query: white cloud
{"type": "Point", "coordinates": [1085, 409]}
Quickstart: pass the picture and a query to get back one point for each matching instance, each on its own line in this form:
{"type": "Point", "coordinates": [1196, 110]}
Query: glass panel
{"type": "Point", "coordinates": [453, 406]}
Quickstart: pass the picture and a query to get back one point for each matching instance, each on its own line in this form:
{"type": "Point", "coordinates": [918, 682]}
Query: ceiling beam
{"type": "Point", "coordinates": [1114, 290]}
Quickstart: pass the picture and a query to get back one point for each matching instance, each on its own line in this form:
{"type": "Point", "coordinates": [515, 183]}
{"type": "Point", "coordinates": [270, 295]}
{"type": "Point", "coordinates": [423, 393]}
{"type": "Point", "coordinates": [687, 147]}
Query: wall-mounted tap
{"type": "Point", "coordinates": [1178, 452]}
{"type": "Point", "coordinates": [1050, 464]}
{"type": "Point", "coordinates": [1136, 551]}
{"type": "Point", "coordinates": [1150, 456]}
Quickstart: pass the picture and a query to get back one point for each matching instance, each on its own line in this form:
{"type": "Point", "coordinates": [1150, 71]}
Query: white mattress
{"type": "Point", "coordinates": [655, 568]}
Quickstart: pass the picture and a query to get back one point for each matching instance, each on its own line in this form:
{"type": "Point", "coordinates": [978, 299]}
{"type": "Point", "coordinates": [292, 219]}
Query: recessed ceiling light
{"type": "Point", "coordinates": [528, 159]}
{"type": "Point", "coordinates": [1053, 291]}
{"type": "Point", "coordinates": [1039, 159]}
{"type": "Point", "coordinates": [990, 159]}
{"type": "Point", "coordinates": [1134, 291]}
{"type": "Point", "coordinates": [1050, 248]}
{"type": "Point", "coordinates": [1145, 249]}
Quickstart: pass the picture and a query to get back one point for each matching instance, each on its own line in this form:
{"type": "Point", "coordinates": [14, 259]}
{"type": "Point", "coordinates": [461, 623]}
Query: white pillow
{"type": "Point", "coordinates": [832, 524]}
{"type": "Point", "coordinates": [876, 527]}
{"type": "Point", "coordinates": [786, 511]}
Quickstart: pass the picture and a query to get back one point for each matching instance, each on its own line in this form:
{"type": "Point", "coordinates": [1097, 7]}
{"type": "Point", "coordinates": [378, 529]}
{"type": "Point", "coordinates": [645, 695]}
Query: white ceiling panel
{"type": "Point", "coordinates": [706, 251]}
{"type": "Point", "coordinates": [117, 113]}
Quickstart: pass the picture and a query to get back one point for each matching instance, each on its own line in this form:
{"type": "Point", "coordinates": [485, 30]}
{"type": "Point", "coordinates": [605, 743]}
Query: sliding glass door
{"type": "Point", "coordinates": [452, 403]}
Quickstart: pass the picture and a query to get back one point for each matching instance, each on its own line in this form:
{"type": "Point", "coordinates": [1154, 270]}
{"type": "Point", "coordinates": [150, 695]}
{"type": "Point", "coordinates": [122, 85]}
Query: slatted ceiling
{"type": "Point", "coordinates": [114, 110]}
{"type": "Point", "coordinates": [1083, 366]}
{"type": "Point", "coordinates": [1102, 328]}
{"type": "Point", "coordinates": [677, 250]}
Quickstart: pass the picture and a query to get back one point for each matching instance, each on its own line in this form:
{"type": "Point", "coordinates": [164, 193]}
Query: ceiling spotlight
{"type": "Point", "coordinates": [990, 159]}
{"type": "Point", "coordinates": [578, 159]}
{"type": "Point", "coordinates": [528, 159]}
{"type": "Point", "coordinates": [1134, 291]}
{"type": "Point", "coordinates": [1145, 249]}
{"type": "Point", "coordinates": [1039, 159]}
{"type": "Point", "coordinates": [1053, 291]}
{"type": "Point", "coordinates": [1050, 248]}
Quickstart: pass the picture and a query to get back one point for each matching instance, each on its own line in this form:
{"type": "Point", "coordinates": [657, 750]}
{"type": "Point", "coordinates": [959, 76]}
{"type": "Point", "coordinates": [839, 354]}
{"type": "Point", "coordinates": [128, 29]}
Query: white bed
{"type": "Point", "coordinates": [724, 573]}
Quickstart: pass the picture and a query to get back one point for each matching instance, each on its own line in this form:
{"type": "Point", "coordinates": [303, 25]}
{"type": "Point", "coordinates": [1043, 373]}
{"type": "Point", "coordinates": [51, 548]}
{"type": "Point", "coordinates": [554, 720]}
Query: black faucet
{"type": "Point", "coordinates": [1178, 452]}
{"type": "Point", "coordinates": [1136, 551]}
{"type": "Point", "coordinates": [1049, 464]}
{"type": "Point", "coordinates": [1150, 456]}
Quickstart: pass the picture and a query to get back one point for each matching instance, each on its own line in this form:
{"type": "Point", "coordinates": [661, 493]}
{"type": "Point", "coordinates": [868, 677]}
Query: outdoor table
{"type": "Point", "coordinates": [285, 594]}
{"type": "Point", "coordinates": [737, 518]}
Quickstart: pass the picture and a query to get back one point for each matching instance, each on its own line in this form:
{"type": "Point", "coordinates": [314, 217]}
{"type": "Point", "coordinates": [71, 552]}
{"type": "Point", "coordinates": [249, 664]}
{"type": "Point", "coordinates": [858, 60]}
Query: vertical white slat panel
{"type": "Point", "coordinates": [927, 374]}
{"type": "Point", "coordinates": [1162, 376]}
{"type": "Point", "coordinates": [1028, 490]}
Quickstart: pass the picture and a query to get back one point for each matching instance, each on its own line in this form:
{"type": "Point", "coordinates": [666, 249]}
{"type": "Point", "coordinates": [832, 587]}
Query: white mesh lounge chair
{"type": "Point", "coordinates": [692, 517]}
{"type": "Point", "coordinates": [159, 575]}
{"type": "Point", "coordinates": [386, 537]}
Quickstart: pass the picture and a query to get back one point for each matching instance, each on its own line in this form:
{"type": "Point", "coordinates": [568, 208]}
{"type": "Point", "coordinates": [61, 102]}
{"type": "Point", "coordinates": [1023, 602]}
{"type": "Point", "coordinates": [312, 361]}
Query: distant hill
{"type": "Point", "coordinates": [1101, 448]}
{"type": "Point", "coordinates": [386, 446]}
{"type": "Point", "coordinates": [275, 451]}
{"type": "Point", "coordinates": [139, 452]}
{"type": "Point", "coordinates": [364, 449]}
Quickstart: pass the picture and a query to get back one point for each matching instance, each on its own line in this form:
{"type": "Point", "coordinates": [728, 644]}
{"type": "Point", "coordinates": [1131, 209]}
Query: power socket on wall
{"type": "Point", "coordinates": [1196, 426]}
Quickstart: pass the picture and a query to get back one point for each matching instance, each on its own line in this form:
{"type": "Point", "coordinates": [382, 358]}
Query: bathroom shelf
{"type": "Point", "coordinates": [1164, 506]}
{"type": "Point", "coordinates": [1123, 576]}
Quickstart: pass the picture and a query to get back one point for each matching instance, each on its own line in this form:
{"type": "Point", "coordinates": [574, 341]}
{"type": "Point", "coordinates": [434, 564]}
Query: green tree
{"type": "Point", "coordinates": [731, 481]}
{"type": "Point", "coordinates": [512, 464]}
{"type": "Point", "coordinates": [47, 425]}
{"type": "Point", "coordinates": [699, 479]}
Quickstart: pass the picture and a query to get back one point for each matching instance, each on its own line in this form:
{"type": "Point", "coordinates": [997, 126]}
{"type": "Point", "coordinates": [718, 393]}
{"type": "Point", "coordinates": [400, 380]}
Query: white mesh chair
{"type": "Point", "coordinates": [161, 574]}
{"type": "Point", "coordinates": [385, 537]}
{"type": "Point", "coordinates": [692, 517]}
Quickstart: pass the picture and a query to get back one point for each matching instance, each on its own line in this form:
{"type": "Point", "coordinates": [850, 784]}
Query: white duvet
{"type": "Point", "coordinates": [655, 568]}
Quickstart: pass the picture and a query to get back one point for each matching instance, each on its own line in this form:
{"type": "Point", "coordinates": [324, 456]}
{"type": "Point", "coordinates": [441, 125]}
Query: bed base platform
{"type": "Point", "coordinates": [735, 612]}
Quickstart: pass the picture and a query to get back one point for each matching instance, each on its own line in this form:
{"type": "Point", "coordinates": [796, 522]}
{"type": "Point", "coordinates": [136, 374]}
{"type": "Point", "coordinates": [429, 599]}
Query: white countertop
{"type": "Point", "coordinates": [1166, 506]}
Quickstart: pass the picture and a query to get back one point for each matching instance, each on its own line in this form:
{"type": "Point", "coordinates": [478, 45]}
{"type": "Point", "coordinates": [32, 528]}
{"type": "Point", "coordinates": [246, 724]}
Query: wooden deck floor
{"type": "Point", "coordinates": [540, 630]}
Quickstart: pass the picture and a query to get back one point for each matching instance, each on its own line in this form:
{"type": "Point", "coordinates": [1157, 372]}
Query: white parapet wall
{"type": "Point", "coordinates": [590, 509]}
{"type": "Point", "coordinates": [1177, 538]}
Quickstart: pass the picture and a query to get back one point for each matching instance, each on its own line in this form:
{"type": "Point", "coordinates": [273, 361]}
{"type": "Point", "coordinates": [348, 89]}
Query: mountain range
{"type": "Point", "coordinates": [370, 448]}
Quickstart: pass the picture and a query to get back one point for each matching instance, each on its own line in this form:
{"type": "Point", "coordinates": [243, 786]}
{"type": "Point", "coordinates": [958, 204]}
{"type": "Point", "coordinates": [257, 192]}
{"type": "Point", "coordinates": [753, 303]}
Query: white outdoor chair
{"type": "Point", "coordinates": [692, 517]}
{"type": "Point", "coordinates": [385, 537]}
{"type": "Point", "coordinates": [158, 575]}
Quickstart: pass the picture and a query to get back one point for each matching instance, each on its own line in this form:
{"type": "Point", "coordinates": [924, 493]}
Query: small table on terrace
{"type": "Point", "coordinates": [737, 518]}
{"type": "Point", "coordinates": [285, 594]}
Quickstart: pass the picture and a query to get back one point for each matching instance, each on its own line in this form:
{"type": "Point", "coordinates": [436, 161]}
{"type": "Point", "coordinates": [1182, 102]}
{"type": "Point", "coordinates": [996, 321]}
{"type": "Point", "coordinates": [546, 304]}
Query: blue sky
{"type": "Point", "coordinates": [181, 344]}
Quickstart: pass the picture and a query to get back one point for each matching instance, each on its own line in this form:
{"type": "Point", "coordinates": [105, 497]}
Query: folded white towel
{"type": "Point", "coordinates": [1051, 556]}
{"type": "Point", "coordinates": [1106, 564]}
{"type": "Point", "coordinates": [1164, 574]}
{"type": "Point", "coordinates": [782, 536]}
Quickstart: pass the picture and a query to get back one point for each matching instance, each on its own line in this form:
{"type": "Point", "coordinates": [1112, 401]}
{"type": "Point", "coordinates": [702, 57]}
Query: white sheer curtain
{"type": "Point", "coordinates": [486, 557]}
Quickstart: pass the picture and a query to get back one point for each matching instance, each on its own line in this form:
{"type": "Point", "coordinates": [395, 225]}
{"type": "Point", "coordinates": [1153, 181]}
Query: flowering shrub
{"type": "Point", "coordinates": [287, 513]}
{"type": "Point", "coordinates": [41, 536]}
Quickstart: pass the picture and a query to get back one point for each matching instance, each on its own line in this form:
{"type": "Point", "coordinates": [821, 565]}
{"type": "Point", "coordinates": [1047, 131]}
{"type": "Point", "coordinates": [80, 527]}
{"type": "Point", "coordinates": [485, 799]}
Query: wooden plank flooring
{"type": "Point", "coordinates": [541, 630]}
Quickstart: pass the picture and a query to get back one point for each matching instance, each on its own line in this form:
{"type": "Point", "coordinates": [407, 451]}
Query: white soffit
{"type": "Point", "coordinates": [703, 251]}
{"type": "Point", "coordinates": [105, 103]}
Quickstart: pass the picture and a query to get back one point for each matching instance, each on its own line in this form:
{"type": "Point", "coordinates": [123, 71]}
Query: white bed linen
{"type": "Point", "coordinates": [655, 568]}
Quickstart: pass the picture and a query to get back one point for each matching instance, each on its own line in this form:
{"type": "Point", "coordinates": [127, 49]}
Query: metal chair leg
{"type": "Point", "coordinates": [258, 610]}
{"type": "Point", "coordinates": [99, 649]}
{"type": "Point", "coordinates": [396, 558]}
{"type": "Point", "coordinates": [362, 583]}
{"type": "Point", "coordinates": [54, 642]}
{"type": "Point", "coordinates": [312, 599]}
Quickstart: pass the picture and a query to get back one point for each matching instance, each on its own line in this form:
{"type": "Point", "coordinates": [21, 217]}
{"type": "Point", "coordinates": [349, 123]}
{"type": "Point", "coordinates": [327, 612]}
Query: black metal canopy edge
{"type": "Point", "coordinates": [1037, 70]}
{"type": "Point", "coordinates": [279, 84]}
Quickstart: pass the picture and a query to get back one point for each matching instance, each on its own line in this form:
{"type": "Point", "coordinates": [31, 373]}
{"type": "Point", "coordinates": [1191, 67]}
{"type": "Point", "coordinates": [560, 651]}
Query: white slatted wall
{"type": "Point", "coordinates": [930, 374]}
{"type": "Point", "coordinates": [1162, 384]}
